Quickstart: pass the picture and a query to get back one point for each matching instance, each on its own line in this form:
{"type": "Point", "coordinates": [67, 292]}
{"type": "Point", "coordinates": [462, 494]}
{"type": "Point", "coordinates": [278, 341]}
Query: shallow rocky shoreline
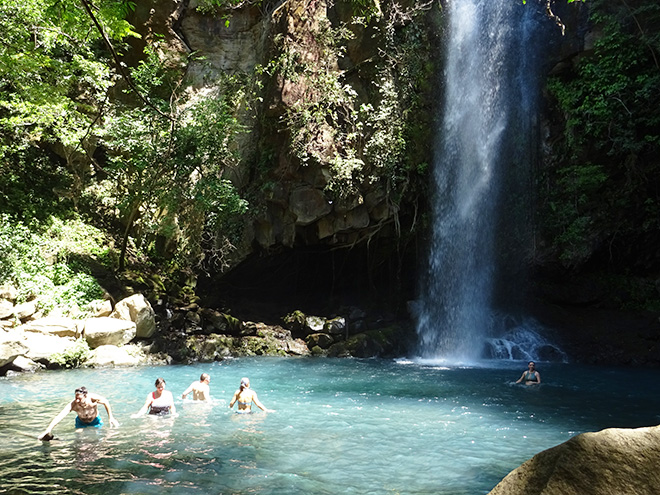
{"type": "Point", "coordinates": [133, 333]}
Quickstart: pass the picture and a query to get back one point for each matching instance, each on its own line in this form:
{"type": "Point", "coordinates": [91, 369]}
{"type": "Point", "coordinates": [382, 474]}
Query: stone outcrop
{"type": "Point", "coordinates": [10, 350]}
{"type": "Point", "coordinates": [295, 205]}
{"type": "Point", "coordinates": [111, 355]}
{"type": "Point", "coordinates": [256, 339]}
{"type": "Point", "coordinates": [55, 325]}
{"type": "Point", "coordinates": [137, 309]}
{"type": "Point", "coordinates": [108, 331]}
{"type": "Point", "coordinates": [615, 461]}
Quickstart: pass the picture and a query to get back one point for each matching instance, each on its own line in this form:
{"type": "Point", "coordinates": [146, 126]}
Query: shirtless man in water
{"type": "Point", "coordinates": [245, 396]}
{"type": "Point", "coordinates": [200, 389]}
{"type": "Point", "coordinates": [85, 404]}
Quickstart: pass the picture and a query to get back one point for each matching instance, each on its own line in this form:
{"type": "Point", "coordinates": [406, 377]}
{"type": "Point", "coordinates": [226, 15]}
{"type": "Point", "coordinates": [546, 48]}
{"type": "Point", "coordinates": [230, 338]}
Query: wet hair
{"type": "Point", "coordinates": [81, 390]}
{"type": "Point", "coordinates": [160, 381]}
{"type": "Point", "coordinates": [532, 363]}
{"type": "Point", "coordinates": [204, 376]}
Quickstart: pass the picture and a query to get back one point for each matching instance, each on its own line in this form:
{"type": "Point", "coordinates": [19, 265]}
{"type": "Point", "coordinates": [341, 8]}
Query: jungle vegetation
{"type": "Point", "coordinates": [112, 166]}
{"type": "Point", "coordinates": [600, 189]}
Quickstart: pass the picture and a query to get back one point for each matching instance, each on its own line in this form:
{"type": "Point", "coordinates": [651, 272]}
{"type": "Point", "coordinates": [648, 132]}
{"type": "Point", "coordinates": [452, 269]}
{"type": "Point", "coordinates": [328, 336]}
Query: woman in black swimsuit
{"type": "Point", "coordinates": [159, 402]}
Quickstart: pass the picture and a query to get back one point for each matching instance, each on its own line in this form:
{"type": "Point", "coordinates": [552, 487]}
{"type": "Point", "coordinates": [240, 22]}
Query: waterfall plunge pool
{"type": "Point", "coordinates": [345, 426]}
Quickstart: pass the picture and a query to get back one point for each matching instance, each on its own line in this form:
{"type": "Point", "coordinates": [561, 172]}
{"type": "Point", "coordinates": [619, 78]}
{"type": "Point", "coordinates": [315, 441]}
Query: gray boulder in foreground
{"type": "Point", "coordinates": [616, 461]}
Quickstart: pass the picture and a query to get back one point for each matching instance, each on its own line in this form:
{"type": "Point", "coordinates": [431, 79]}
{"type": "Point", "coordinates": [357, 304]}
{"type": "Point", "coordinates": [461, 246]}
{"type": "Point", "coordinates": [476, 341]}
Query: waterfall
{"type": "Point", "coordinates": [483, 158]}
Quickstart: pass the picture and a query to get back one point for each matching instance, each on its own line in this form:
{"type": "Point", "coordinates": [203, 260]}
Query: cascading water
{"type": "Point", "coordinates": [483, 154]}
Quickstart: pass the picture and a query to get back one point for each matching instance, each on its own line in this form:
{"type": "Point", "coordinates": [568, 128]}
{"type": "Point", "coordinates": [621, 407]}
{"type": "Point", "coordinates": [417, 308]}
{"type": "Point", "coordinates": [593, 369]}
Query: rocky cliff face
{"type": "Point", "coordinates": [314, 164]}
{"type": "Point", "coordinates": [340, 134]}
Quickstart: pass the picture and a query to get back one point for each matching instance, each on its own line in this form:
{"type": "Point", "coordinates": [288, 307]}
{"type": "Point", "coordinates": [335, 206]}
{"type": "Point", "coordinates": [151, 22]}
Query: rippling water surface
{"type": "Point", "coordinates": [341, 426]}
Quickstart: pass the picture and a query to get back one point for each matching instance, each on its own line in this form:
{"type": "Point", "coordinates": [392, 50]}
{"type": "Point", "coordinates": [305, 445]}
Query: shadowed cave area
{"type": "Point", "coordinates": [315, 280]}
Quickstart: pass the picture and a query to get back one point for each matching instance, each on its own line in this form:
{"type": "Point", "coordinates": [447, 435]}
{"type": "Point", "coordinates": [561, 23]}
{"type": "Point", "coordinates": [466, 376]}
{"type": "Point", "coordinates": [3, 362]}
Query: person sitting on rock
{"type": "Point", "coordinates": [85, 404]}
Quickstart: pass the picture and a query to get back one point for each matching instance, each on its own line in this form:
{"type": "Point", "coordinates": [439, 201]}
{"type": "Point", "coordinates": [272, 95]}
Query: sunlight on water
{"type": "Point", "coordinates": [340, 426]}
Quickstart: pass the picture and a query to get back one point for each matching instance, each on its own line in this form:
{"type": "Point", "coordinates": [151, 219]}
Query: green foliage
{"type": "Point", "coordinates": [609, 103]}
{"type": "Point", "coordinates": [74, 356]}
{"type": "Point", "coordinates": [358, 141]}
{"type": "Point", "coordinates": [368, 9]}
{"type": "Point", "coordinates": [40, 260]}
{"type": "Point", "coordinates": [50, 71]}
{"type": "Point", "coordinates": [169, 172]}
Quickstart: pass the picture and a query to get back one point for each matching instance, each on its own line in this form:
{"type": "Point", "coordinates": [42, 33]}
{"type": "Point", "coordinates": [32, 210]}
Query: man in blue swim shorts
{"type": "Point", "coordinates": [96, 422]}
{"type": "Point", "coordinates": [85, 404]}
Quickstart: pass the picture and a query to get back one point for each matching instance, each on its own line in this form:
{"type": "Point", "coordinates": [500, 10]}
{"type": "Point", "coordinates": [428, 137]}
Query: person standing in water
{"type": "Point", "coordinates": [245, 396]}
{"type": "Point", "coordinates": [531, 376]}
{"type": "Point", "coordinates": [159, 402]}
{"type": "Point", "coordinates": [85, 404]}
{"type": "Point", "coordinates": [200, 389]}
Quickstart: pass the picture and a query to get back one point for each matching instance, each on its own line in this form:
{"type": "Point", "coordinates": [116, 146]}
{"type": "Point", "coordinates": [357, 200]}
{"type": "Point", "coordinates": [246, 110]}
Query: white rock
{"type": "Point", "coordinates": [25, 364]}
{"type": "Point", "coordinates": [6, 309]}
{"type": "Point", "coordinates": [111, 355]}
{"type": "Point", "coordinates": [10, 350]}
{"type": "Point", "coordinates": [137, 309]}
{"type": "Point", "coordinates": [25, 309]}
{"type": "Point", "coordinates": [42, 346]}
{"type": "Point", "coordinates": [108, 331]}
{"type": "Point", "coordinates": [55, 325]}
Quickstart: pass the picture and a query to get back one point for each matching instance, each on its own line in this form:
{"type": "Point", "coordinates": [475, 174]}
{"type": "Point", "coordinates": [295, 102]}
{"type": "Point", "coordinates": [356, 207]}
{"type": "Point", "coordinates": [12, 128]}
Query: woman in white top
{"type": "Point", "coordinates": [159, 402]}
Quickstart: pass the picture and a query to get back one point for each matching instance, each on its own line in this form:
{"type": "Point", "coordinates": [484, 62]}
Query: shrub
{"type": "Point", "coordinates": [73, 356]}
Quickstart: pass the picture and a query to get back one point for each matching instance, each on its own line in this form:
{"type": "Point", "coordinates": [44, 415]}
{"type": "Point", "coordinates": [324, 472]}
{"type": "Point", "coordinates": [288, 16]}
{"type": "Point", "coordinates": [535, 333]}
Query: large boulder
{"type": "Point", "coordinates": [54, 325]}
{"type": "Point", "coordinates": [308, 205]}
{"type": "Point", "coordinates": [111, 355]}
{"type": "Point", "coordinates": [6, 309]}
{"type": "Point", "coordinates": [25, 310]}
{"type": "Point", "coordinates": [297, 347]}
{"type": "Point", "coordinates": [137, 309]}
{"type": "Point", "coordinates": [10, 350]}
{"type": "Point", "coordinates": [615, 461]}
{"type": "Point", "coordinates": [23, 364]}
{"type": "Point", "coordinates": [322, 340]}
{"type": "Point", "coordinates": [41, 345]}
{"type": "Point", "coordinates": [108, 331]}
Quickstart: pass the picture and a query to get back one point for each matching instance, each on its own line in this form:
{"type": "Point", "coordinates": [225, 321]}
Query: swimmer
{"type": "Point", "coordinates": [200, 389]}
{"type": "Point", "coordinates": [531, 376]}
{"type": "Point", "coordinates": [245, 397]}
{"type": "Point", "coordinates": [159, 402]}
{"type": "Point", "coordinates": [85, 404]}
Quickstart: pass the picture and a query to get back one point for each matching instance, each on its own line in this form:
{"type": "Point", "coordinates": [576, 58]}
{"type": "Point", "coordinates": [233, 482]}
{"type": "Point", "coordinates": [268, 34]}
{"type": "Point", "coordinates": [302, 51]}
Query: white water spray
{"type": "Point", "coordinates": [488, 112]}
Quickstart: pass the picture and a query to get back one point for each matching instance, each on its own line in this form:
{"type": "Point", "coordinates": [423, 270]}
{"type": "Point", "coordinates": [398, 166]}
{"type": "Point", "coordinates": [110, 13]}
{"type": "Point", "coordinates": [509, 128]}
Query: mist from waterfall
{"type": "Point", "coordinates": [483, 158]}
